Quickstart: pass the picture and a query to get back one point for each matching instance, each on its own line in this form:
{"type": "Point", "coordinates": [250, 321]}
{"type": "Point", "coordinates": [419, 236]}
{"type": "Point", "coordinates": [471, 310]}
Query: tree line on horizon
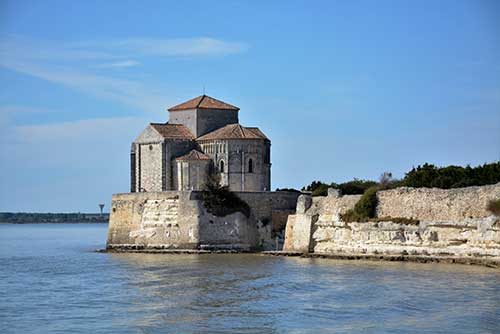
{"type": "Point", "coordinates": [426, 175]}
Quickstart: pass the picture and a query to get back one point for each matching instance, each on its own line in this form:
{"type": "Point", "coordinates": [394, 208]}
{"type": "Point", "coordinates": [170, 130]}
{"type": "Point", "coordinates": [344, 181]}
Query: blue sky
{"type": "Point", "coordinates": [344, 89]}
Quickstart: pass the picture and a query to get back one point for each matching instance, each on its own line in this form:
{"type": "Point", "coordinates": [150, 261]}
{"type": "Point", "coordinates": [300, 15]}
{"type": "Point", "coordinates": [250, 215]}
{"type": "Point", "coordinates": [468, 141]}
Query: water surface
{"type": "Point", "coordinates": [51, 281]}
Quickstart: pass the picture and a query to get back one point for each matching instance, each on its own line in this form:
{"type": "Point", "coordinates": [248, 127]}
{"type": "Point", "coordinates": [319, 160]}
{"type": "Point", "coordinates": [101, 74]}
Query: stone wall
{"type": "Point", "coordinates": [236, 155]}
{"type": "Point", "coordinates": [166, 219]}
{"type": "Point", "coordinates": [150, 166]}
{"type": "Point", "coordinates": [212, 119]}
{"type": "Point", "coordinates": [192, 174]}
{"type": "Point", "coordinates": [436, 204]}
{"type": "Point", "coordinates": [202, 121]}
{"type": "Point", "coordinates": [452, 222]}
{"type": "Point", "coordinates": [185, 117]}
{"type": "Point", "coordinates": [240, 177]}
{"type": "Point", "coordinates": [147, 162]}
{"type": "Point", "coordinates": [178, 220]}
{"type": "Point", "coordinates": [173, 149]}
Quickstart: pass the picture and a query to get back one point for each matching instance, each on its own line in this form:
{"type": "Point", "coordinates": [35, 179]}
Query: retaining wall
{"type": "Point", "coordinates": [452, 222]}
{"type": "Point", "coordinates": [178, 220]}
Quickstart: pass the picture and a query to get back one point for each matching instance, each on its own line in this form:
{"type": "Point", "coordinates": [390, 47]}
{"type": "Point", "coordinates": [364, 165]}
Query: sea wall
{"type": "Point", "coordinates": [451, 222]}
{"type": "Point", "coordinates": [178, 220]}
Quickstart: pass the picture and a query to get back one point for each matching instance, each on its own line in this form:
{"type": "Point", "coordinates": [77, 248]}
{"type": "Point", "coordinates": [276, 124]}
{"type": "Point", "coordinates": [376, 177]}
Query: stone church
{"type": "Point", "coordinates": [202, 136]}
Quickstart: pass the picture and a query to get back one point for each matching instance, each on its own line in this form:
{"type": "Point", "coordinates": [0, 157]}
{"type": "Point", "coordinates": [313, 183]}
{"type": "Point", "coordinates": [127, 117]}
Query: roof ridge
{"type": "Point", "coordinates": [194, 154]}
{"type": "Point", "coordinates": [234, 131]}
{"type": "Point", "coordinates": [203, 102]}
{"type": "Point", "coordinates": [173, 131]}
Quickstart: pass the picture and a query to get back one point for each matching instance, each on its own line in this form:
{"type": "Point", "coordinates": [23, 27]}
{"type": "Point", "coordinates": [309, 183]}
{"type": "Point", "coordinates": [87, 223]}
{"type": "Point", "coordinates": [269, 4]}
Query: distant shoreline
{"type": "Point", "coordinates": [52, 218]}
{"type": "Point", "coordinates": [63, 222]}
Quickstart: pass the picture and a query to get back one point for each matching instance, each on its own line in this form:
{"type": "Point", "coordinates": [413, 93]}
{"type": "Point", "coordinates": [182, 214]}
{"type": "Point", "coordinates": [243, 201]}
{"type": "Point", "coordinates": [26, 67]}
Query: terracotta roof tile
{"type": "Point", "coordinates": [203, 102]}
{"type": "Point", "coordinates": [173, 131]}
{"type": "Point", "coordinates": [234, 131]}
{"type": "Point", "coordinates": [194, 155]}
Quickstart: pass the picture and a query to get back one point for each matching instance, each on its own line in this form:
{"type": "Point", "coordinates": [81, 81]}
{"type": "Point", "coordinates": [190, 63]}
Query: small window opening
{"type": "Point", "coordinates": [221, 166]}
{"type": "Point", "coordinates": [250, 165]}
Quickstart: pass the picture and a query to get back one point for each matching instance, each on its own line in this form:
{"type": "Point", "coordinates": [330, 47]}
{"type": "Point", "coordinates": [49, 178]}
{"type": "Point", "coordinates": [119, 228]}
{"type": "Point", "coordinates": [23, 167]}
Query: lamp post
{"type": "Point", "coordinates": [101, 206]}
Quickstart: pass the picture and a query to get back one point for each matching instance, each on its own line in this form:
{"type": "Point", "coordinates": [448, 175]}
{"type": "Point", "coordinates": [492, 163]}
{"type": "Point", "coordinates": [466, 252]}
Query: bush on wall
{"type": "Point", "coordinates": [426, 175]}
{"type": "Point", "coordinates": [430, 176]}
{"type": "Point", "coordinates": [365, 209]}
{"type": "Point", "coordinates": [494, 207]}
{"type": "Point", "coordinates": [220, 201]}
{"type": "Point", "coordinates": [354, 187]}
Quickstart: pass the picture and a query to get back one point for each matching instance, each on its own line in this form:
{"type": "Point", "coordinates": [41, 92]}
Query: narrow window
{"type": "Point", "coordinates": [222, 166]}
{"type": "Point", "coordinates": [250, 165]}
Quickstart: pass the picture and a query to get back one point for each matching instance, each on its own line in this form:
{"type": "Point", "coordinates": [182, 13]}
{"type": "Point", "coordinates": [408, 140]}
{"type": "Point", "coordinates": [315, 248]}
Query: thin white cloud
{"type": "Point", "coordinates": [173, 47]}
{"type": "Point", "coordinates": [88, 130]}
{"type": "Point", "coordinates": [71, 64]}
{"type": "Point", "coordinates": [119, 64]}
{"type": "Point", "coordinates": [179, 47]}
{"type": "Point", "coordinates": [70, 144]}
{"type": "Point", "coordinates": [124, 91]}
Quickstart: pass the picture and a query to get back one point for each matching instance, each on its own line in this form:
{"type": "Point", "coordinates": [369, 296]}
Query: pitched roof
{"type": "Point", "coordinates": [234, 131]}
{"type": "Point", "coordinates": [172, 131]}
{"type": "Point", "coordinates": [203, 102]}
{"type": "Point", "coordinates": [194, 155]}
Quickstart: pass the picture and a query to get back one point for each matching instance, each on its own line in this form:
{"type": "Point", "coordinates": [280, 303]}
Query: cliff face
{"type": "Point", "coordinates": [452, 222]}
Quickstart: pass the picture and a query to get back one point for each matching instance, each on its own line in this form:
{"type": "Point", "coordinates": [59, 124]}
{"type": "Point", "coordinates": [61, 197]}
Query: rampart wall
{"type": "Point", "coordinates": [452, 222]}
{"type": "Point", "coordinates": [178, 220]}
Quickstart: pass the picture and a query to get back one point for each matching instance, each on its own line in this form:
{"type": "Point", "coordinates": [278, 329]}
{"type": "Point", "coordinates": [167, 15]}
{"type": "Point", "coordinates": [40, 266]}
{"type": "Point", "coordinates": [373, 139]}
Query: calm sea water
{"type": "Point", "coordinates": [51, 281]}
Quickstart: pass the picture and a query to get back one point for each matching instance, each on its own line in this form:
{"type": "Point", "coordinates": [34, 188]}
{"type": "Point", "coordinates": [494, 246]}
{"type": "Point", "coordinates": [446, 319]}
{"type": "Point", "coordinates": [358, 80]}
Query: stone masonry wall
{"type": "Point", "coordinates": [212, 119]}
{"type": "Point", "coordinates": [185, 117]}
{"type": "Point", "coordinates": [150, 167]}
{"type": "Point", "coordinates": [452, 222]}
{"type": "Point", "coordinates": [436, 204]}
{"type": "Point", "coordinates": [178, 220]}
{"type": "Point", "coordinates": [239, 176]}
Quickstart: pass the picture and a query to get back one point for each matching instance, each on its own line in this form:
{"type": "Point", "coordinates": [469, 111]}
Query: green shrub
{"type": "Point", "coordinates": [365, 209]}
{"type": "Point", "coordinates": [354, 187]}
{"type": "Point", "coordinates": [322, 190]}
{"type": "Point", "coordinates": [367, 205]}
{"type": "Point", "coordinates": [430, 176]}
{"type": "Point", "coordinates": [426, 175]}
{"type": "Point", "coordinates": [220, 201]}
{"type": "Point", "coordinates": [291, 190]}
{"type": "Point", "coordinates": [494, 207]}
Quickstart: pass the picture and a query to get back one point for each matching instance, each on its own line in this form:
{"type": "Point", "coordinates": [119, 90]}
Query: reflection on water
{"type": "Point", "coordinates": [50, 281]}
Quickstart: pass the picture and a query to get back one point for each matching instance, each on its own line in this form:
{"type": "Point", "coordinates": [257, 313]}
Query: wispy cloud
{"type": "Point", "coordinates": [189, 47]}
{"type": "Point", "coordinates": [69, 144]}
{"type": "Point", "coordinates": [85, 131]}
{"type": "Point", "coordinates": [81, 66]}
{"type": "Point", "coordinates": [119, 64]}
{"type": "Point", "coordinates": [128, 92]}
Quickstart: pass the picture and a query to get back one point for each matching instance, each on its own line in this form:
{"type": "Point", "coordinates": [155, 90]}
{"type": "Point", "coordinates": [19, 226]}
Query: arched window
{"type": "Point", "coordinates": [250, 165]}
{"type": "Point", "coordinates": [221, 168]}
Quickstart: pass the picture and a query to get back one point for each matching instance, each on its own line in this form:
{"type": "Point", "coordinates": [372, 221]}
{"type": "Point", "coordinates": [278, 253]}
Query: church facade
{"type": "Point", "coordinates": [202, 137]}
